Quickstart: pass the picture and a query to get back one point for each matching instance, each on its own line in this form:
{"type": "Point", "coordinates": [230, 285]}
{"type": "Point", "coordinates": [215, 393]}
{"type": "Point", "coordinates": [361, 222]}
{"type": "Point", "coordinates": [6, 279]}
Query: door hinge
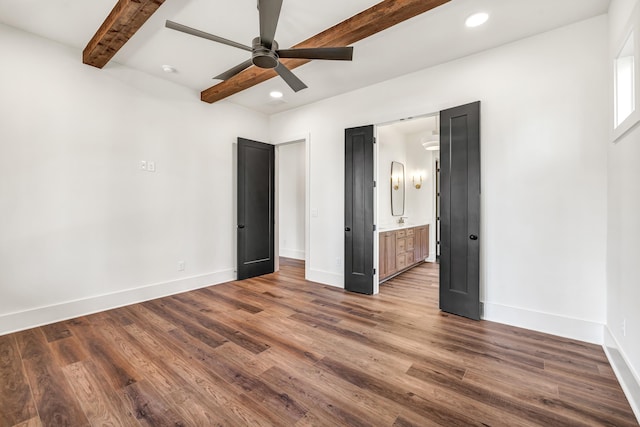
{"type": "Point", "coordinates": [375, 184]}
{"type": "Point", "coordinates": [374, 271]}
{"type": "Point", "coordinates": [374, 139]}
{"type": "Point", "coordinates": [374, 227]}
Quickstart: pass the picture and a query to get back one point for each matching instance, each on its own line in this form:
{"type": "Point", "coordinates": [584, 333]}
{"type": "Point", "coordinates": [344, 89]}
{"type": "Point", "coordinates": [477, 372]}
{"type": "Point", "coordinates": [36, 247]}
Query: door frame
{"type": "Point", "coordinates": [306, 140]}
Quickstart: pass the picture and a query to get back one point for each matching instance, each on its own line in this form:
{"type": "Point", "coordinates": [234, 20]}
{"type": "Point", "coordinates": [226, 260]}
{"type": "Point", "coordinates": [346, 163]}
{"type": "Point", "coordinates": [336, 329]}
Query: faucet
{"type": "Point", "coordinates": [402, 218]}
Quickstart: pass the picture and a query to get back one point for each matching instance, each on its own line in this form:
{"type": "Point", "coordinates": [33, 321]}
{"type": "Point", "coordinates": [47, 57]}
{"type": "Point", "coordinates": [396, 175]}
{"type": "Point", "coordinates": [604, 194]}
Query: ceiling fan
{"type": "Point", "coordinates": [265, 52]}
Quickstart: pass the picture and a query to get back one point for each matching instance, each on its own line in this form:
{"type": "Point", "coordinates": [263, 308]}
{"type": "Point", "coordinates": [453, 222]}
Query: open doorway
{"type": "Point", "coordinates": [292, 201]}
{"type": "Point", "coordinates": [408, 155]}
{"type": "Point", "coordinates": [452, 200]}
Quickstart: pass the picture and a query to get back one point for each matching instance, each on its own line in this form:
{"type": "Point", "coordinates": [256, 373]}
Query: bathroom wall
{"type": "Point", "coordinates": [394, 145]}
{"type": "Point", "coordinates": [391, 148]}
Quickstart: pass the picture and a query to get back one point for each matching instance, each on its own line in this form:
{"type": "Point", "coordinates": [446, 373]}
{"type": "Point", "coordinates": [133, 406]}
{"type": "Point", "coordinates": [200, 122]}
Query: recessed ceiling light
{"type": "Point", "coordinates": [168, 69]}
{"type": "Point", "coordinates": [276, 94]}
{"type": "Point", "coordinates": [476, 19]}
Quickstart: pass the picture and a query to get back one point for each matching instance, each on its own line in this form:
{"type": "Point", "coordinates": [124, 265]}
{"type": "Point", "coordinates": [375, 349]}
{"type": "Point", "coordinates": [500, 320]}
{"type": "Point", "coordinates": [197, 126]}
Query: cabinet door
{"type": "Point", "coordinates": [425, 243]}
{"type": "Point", "coordinates": [382, 260]}
{"type": "Point", "coordinates": [417, 250]}
{"type": "Point", "coordinates": [390, 255]}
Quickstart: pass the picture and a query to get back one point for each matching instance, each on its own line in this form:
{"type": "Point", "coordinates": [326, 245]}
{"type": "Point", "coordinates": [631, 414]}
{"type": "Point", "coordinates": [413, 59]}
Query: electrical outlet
{"type": "Point", "coordinates": [338, 262]}
{"type": "Point", "coordinates": [181, 265]}
{"type": "Point", "coordinates": [151, 166]}
{"type": "Point", "coordinates": [624, 327]}
{"type": "Point", "coordinates": [143, 165]}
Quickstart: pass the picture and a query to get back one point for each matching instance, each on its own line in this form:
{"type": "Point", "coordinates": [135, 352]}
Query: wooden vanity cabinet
{"type": "Point", "coordinates": [402, 249]}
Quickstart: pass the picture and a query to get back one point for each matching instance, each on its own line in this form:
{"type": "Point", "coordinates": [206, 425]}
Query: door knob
{"type": "Point", "coordinates": [473, 237]}
{"type": "Point", "coordinates": [347, 229]}
{"type": "Point", "coordinates": [240, 225]}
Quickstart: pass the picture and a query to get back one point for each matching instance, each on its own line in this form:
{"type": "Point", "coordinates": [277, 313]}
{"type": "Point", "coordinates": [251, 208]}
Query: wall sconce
{"type": "Point", "coordinates": [418, 185]}
{"type": "Point", "coordinates": [397, 183]}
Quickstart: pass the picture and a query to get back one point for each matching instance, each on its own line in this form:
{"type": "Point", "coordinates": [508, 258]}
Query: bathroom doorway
{"type": "Point", "coordinates": [424, 196]}
{"type": "Point", "coordinates": [407, 158]}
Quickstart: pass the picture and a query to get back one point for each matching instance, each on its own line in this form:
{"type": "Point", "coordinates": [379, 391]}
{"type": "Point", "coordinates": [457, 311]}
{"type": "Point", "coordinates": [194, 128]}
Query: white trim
{"type": "Point", "coordinates": [27, 319]}
{"type": "Point", "coordinates": [326, 278]}
{"type": "Point", "coordinates": [627, 376]}
{"type": "Point", "coordinates": [577, 329]}
{"type": "Point", "coordinates": [633, 119]}
{"type": "Point", "coordinates": [291, 253]}
{"type": "Point", "coordinates": [376, 215]}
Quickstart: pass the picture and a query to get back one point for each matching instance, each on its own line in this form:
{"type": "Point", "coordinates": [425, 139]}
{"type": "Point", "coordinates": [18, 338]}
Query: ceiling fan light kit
{"type": "Point", "coordinates": [264, 49]}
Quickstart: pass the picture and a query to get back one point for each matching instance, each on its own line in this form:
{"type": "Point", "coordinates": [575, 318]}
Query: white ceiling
{"type": "Point", "coordinates": [424, 41]}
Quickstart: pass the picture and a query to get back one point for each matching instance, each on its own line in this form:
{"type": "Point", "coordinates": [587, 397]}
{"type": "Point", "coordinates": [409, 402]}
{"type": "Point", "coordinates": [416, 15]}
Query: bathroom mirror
{"type": "Point", "coordinates": [397, 189]}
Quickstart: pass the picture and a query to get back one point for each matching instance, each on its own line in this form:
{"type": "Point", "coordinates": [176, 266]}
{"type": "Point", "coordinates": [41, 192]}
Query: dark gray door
{"type": "Point", "coordinates": [460, 210]}
{"type": "Point", "coordinates": [358, 210]}
{"type": "Point", "coordinates": [255, 208]}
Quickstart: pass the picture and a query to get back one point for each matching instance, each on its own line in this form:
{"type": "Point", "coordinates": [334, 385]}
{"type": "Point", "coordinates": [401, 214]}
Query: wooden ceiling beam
{"type": "Point", "coordinates": [366, 23]}
{"type": "Point", "coordinates": [126, 17]}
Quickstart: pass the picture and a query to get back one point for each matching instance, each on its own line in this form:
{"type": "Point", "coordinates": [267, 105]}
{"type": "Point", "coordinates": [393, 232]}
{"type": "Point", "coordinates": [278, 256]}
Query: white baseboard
{"type": "Point", "coordinates": [18, 321]}
{"type": "Point", "coordinates": [326, 278]}
{"type": "Point", "coordinates": [291, 253]}
{"type": "Point", "coordinates": [625, 372]}
{"type": "Point", "coordinates": [577, 329]}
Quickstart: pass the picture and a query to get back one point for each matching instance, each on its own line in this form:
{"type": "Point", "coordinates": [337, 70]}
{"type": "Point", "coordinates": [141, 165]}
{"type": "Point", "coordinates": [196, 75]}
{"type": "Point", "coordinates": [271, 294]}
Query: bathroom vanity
{"type": "Point", "coordinates": [401, 248]}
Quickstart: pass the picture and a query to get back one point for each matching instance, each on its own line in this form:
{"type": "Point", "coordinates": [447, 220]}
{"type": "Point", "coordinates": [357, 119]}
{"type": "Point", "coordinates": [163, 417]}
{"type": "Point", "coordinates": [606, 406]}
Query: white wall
{"type": "Point", "coordinates": [394, 145]}
{"type": "Point", "coordinates": [82, 228]}
{"type": "Point", "coordinates": [623, 226]}
{"type": "Point", "coordinates": [543, 170]}
{"type": "Point", "coordinates": [391, 148]}
{"type": "Point", "coordinates": [419, 162]}
{"type": "Point", "coordinates": [291, 199]}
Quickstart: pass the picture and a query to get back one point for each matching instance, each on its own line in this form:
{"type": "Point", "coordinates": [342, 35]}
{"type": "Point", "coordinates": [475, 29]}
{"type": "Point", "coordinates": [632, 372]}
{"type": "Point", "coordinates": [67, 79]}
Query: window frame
{"type": "Point", "coordinates": [632, 28]}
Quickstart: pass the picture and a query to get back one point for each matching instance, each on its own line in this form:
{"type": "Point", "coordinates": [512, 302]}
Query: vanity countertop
{"type": "Point", "coordinates": [394, 227]}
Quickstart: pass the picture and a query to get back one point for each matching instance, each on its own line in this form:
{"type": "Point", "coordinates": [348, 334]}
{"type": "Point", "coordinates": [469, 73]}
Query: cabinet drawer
{"type": "Point", "coordinates": [401, 261]}
{"type": "Point", "coordinates": [401, 245]}
{"type": "Point", "coordinates": [411, 231]}
{"type": "Point", "coordinates": [401, 233]}
{"type": "Point", "coordinates": [409, 258]}
{"type": "Point", "coordinates": [410, 243]}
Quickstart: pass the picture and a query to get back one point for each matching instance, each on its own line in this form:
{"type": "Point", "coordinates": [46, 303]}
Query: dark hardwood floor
{"type": "Point", "coordinates": [278, 350]}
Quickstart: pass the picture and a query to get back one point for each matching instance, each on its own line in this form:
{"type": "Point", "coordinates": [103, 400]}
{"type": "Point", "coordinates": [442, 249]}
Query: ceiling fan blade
{"type": "Point", "coordinates": [233, 71]}
{"type": "Point", "coordinates": [269, 11]}
{"type": "Point", "coordinates": [294, 83]}
{"type": "Point", "coordinates": [333, 53]}
{"type": "Point", "coordinates": [192, 31]}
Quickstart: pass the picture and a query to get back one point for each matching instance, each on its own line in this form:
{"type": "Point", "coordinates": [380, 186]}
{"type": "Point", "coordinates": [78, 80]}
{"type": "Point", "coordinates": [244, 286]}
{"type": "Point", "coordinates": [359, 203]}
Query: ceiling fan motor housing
{"type": "Point", "coordinates": [262, 56]}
